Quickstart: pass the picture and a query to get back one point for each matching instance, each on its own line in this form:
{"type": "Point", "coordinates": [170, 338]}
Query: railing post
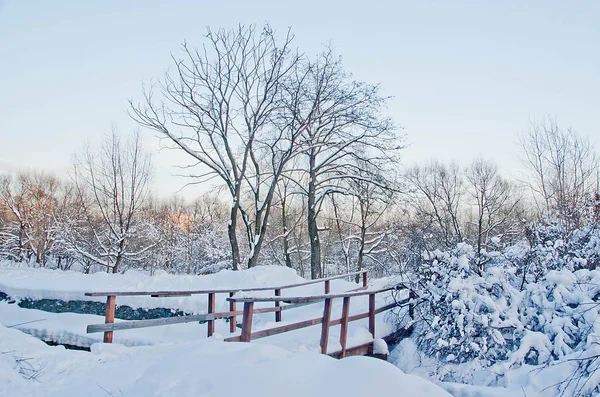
{"type": "Point", "coordinates": [277, 304]}
{"type": "Point", "coordinates": [325, 327]}
{"type": "Point", "coordinates": [372, 314]}
{"type": "Point", "coordinates": [247, 322]}
{"type": "Point", "coordinates": [364, 279]}
{"type": "Point", "coordinates": [109, 317]}
{"type": "Point", "coordinates": [211, 309]}
{"type": "Point", "coordinates": [232, 319]}
{"type": "Point", "coordinates": [327, 286]}
{"type": "Point", "coordinates": [344, 325]}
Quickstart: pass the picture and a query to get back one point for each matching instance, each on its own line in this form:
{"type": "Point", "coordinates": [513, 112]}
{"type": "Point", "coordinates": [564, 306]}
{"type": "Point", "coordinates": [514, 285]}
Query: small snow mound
{"type": "Point", "coordinates": [380, 347]}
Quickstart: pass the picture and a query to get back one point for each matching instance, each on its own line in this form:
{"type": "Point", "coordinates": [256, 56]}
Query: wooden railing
{"type": "Point", "coordinates": [247, 335]}
{"type": "Point", "coordinates": [110, 326]}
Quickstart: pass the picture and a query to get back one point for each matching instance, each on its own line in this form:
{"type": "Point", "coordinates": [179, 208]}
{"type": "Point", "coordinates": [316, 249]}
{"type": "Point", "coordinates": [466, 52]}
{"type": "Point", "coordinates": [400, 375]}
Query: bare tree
{"type": "Point", "coordinates": [358, 220]}
{"type": "Point", "coordinates": [341, 123]}
{"type": "Point", "coordinates": [112, 183]}
{"type": "Point", "coordinates": [564, 171]}
{"type": "Point", "coordinates": [495, 204]}
{"type": "Point", "coordinates": [219, 108]}
{"type": "Point", "coordinates": [436, 194]}
{"type": "Point", "coordinates": [31, 203]}
{"type": "Point", "coordinates": [373, 201]}
{"type": "Point", "coordinates": [289, 218]}
{"type": "Point", "coordinates": [16, 213]}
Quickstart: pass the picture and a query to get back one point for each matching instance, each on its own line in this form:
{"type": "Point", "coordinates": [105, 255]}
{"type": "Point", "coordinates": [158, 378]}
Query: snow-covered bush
{"type": "Point", "coordinates": [552, 248]}
{"type": "Point", "coordinates": [466, 315]}
{"type": "Point", "coordinates": [509, 315]}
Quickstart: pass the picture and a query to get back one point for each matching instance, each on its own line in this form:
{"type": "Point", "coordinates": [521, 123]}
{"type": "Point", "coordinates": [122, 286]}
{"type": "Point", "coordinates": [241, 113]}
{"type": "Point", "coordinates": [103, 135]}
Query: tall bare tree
{"type": "Point", "coordinates": [373, 200]}
{"type": "Point", "coordinates": [289, 218]}
{"type": "Point", "coordinates": [219, 107]}
{"type": "Point", "coordinates": [436, 194]}
{"type": "Point", "coordinates": [342, 124]}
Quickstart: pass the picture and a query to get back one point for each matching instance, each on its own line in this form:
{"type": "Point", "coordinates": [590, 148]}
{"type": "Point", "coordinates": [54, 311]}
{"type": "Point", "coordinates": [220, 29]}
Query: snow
{"type": "Point", "coordinates": [207, 367]}
{"type": "Point", "coordinates": [178, 359]}
{"type": "Point", "coordinates": [380, 347]}
{"type": "Point", "coordinates": [35, 283]}
{"type": "Point", "coordinates": [486, 337]}
{"type": "Point", "coordinates": [527, 324]}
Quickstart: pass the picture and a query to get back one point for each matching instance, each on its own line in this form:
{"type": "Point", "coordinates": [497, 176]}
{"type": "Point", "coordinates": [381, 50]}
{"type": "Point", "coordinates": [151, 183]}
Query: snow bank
{"type": "Point", "coordinates": [206, 368]}
{"type": "Point", "coordinates": [35, 283]}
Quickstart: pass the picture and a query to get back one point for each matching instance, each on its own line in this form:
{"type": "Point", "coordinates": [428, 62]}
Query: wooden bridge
{"type": "Point", "coordinates": [281, 304]}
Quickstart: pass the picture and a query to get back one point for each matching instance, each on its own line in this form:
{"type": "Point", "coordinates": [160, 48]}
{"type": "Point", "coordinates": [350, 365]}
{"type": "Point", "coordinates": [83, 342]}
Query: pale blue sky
{"type": "Point", "coordinates": [466, 76]}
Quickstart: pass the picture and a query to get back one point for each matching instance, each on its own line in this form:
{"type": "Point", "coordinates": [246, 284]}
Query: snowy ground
{"type": "Point", "coordinates": [179, 360]}
{"type": "Point", "coordinates": [525, 381]}
{"type": "Point", "coordinates": [207, 367]}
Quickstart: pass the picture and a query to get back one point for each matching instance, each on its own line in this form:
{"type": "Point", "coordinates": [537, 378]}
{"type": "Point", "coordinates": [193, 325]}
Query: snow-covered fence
{"type": "Point", "coordinates": [110, 326]}
{"type": "Point", "coordinates": [367, 348]}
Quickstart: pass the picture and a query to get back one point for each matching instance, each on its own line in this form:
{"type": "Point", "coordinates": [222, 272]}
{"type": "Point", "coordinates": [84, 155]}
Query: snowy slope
{"type": "Point", "coordinates": [207, 368]}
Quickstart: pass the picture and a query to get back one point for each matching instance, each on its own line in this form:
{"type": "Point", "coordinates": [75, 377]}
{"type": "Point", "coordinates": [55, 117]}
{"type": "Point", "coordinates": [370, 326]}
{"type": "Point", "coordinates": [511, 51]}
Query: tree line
{"type": "Point", "coordinates": [309, 176]}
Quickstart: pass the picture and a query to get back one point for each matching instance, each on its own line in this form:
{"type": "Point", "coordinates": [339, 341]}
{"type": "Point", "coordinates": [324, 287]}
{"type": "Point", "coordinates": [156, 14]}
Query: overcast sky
{"type": "Point", "coordinates": [466, 76]}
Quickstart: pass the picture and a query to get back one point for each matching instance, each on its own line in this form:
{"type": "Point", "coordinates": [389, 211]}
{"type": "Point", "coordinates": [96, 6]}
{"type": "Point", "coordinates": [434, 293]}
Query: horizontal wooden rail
{"type": "Point", "coordinates": [308, 323]}
{"type": "Point", "coordinates": [278, 330]}
{"type": "Point", "coordinates": [375, 311]}
{"type": "Point", "coordinates": [312, 298]}
{"type": "Point", "coordinates": [360, 350]}
{"type": "Point", "coordinates": [162, 294]}
{"type": "Point", "coordinates": [133, 324]}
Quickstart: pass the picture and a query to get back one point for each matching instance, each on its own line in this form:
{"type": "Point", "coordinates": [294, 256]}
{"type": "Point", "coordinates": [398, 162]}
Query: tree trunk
{"type": "Point", "coordinates": [286, 244]}
{"type": "Point", "coordinates": [253, 260]}
{"type": "Point", "coordinates": [479, 245]}
{"type": "Point", "coordinates": [115, 268]}
{"type": "Point", "coordinates": [361, 252]}
{"type": "Point", "coordinates": [119, 258]}
{"type": "Point", "coordinates": [261, 227]}
{"type": "Point", "coordinates": [231, 231]}
{"type": "Point", "coordinates": [313, 231]}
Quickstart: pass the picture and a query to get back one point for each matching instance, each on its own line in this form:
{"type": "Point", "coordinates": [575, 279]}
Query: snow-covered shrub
{"type": "Point", "coordinates": [552, 248]}
{"type": "Point", "coordinates": [561, 317]}
{"type": "Point", "coordinates": [466, 315]}
{"type": "Point", "coordinates": [499, 320]}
